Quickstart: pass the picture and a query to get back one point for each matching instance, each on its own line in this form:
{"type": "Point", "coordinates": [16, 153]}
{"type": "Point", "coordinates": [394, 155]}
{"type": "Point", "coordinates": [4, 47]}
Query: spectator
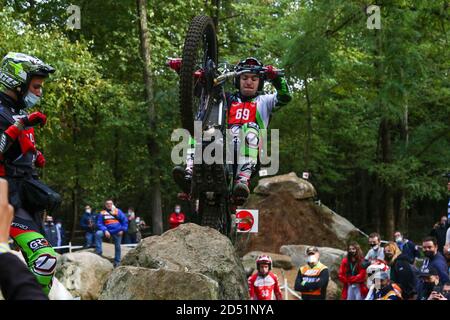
{"type": "Point", "coordinates": [440, 293]}
{"type": "Point", "coordinates": [352, 274]}
{"type": "Point", "coordinates": [407, 247]}
{"type": "Point", "coordinates": [141, 225]}
{"type": "Point", "coordinates": [401, 272]}
{"type": "Point", "coordinates": [111, 223]}
{"type": "Point", "coordinates": [60, 232]}
{"type": "Point", "coordinates": [312, 278]}
{"type": "Point", "coordinates": [440, 233]}
{"type": "Point", "coordinates": [16, 281]}
{"type": "Point", "coordinates": [447, 255]}
{"type": "Point", "coordinates": [429, 279]}
{"type": "Point", "coordinates": [434, 258]}
{"type": "Point", "coordinates": [384, 289]}
{"type": "Point", "coordinates": [176, 218]}
{"type": "Point", "coordinates": [51, 233]}
{"type": "Point", "coordinates": [263, 284]}
{"type": "Point", "coordinates": [131, 234]}
{"type": "Point", "coordinates": [376, 251]}
{"type": "Point", "coordinates": [88, 223]}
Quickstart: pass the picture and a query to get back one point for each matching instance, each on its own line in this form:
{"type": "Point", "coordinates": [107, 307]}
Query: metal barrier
{"type": "Point", "coordinates": [288, 290]}
{"type": "Point", "coordinates": [70, 247]}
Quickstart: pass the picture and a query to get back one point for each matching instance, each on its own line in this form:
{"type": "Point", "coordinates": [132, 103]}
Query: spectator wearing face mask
{"type": "Point", "coordinates": [352, 274]}
{"type": "Point", "coordinates": [384, 288]}
{"type": "Point", "coordinates": [312, 278]}
{"type": "Point", "coordinates": [440, 232]}
{"type": "Point", "coordinates": [176, 218]}
{"type": "Point", "coordinates": [434, 258]}
{"type": "Point", "coordinates": [429, 279]}
{"type": "Point", "coordinates": [440, 293]}
{"type": "Point", "coordinates": [401, 271]}
{"type": "Point", "coordinates": [376, 251]}
{"type": "Point", "coordinates": [88, 223]}
{"type": "Point", "coordinates": [407, 247]}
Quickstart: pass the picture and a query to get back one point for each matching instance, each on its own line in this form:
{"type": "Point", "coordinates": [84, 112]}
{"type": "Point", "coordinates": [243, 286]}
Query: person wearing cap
{"type": "Point", "coordinates": [384, 289]}
{"type": "Point", "coordinates": [312, 278]}
{"type": "Point", "coordinates": [429, 281]}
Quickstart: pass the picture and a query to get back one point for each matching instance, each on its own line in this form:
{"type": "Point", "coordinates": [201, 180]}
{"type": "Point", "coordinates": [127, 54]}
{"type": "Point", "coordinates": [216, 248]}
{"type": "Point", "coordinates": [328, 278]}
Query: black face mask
{"type": "Point", "coordinates": [428, 286]}
{"type": "Point", "coordinates": [351, 254]}
{"type": "Point", "coordinates": [388, 256]}
{"type": "Point", "coordinates": [429, 254]}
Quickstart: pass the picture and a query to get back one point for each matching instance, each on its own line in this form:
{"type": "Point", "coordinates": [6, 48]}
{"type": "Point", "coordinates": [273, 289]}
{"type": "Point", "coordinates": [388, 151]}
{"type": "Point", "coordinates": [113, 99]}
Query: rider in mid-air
{"type": "Point", "coordinates": [249, 111]}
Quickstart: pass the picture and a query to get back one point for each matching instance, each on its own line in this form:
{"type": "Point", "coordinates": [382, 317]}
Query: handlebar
{"type": "Point", "coordinates": [230, 75]}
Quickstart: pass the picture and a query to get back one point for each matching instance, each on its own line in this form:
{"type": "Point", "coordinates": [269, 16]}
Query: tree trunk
{"type": "Point", "coordinates": [152, 143]}
{"type": "Point", "coordinates": [308, 127]}
{"type": "Point", "coordinates": [77, 181]}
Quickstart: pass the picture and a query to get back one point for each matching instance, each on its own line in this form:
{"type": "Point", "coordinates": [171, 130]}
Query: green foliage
{"type": "Point", "coordinates": [95, 139]}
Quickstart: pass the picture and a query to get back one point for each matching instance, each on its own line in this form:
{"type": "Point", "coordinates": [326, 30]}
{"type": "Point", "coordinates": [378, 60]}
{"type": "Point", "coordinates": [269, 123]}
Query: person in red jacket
{"type": "Point", "coordinates": [176, 218]}
{"type": "Point", "coordinates": [263, 285]}
{"type": "Point", "coordinates": [352, 274]}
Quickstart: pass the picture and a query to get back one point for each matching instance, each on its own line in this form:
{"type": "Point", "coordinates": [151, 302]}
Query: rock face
{"type": "Point", "coordinates": [278, 261]}
{"type": "Point", "coordinates": [288, 215]}
{"type": "Point", "coordinates": [136, 283]}
{"type": "Point", "coordinates": [343, 228]}
{"type": "Point", "coordinates": [297, 187]}
{"type": "Point", "coordinates": [188, 250]}
{"type": "Point", "coordinates": [83, 274]}
{"type": "Point", "coordinates": [330, 257]}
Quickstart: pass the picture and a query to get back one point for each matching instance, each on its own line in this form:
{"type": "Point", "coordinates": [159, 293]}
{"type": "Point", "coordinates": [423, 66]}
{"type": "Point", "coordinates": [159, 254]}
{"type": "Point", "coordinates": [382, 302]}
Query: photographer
{"type": "Point", "coordinates": [16, 282]}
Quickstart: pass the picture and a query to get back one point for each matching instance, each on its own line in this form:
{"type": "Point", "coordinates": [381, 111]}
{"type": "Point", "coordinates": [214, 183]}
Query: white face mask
{"type": "Point", "coordinates": [177, 210]}
{"type": "Point", "coordinates": [399, 239]}
{"type": "Point", "coordinates": [88, 210]}
{"type": "Point", "coordinates": [312, 259]}
{"type": "Point", "coordinates": [31, 100]}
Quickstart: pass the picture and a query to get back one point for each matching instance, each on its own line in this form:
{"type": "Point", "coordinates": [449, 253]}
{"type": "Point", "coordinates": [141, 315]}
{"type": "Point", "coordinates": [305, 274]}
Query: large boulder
{"type": "Point", "coordinates": [341, 227]}
{"type": "Point", "coordinates": [136, 283]}
{"type": "Point", "coordinates": [290, 183]}
{"type": "Point", "coordinates": [191, 248]}
{"type": "Point", "coordinates": [331, 257]}
{"type": "Point", "coordinates": [83, 274]}
{"type": "Point", "coordinates": [278, 261]}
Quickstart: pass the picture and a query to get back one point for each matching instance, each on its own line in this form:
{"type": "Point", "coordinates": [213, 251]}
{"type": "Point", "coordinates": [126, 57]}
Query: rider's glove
{"type": "Point", "coordinates": [40, 160]}
{"type": "Point", "coordinates": [33, 119]}
{"type": "Point", "coordinates": [271, 72]}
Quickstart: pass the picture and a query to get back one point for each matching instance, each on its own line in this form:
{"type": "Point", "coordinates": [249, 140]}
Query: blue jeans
{"type": "Point", "coordinates": [117, 240]}
{"type": "Point", "coordinates": [90, 239]}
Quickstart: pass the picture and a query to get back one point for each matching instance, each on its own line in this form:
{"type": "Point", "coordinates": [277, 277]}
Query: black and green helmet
{"type": "Point", "coordinates": [17, 69]}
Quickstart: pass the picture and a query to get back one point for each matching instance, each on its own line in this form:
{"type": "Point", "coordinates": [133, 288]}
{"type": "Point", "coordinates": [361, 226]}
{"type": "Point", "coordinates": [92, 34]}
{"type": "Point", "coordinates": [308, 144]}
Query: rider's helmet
{"type": "Point", "coordinates": [248, 64]}
{"type": "Point", "coordinates": [16, 71]}
{"type": "Point", "coordinates": [264, 259]}
{"type": "Point", "coordinates": [377, 268]}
